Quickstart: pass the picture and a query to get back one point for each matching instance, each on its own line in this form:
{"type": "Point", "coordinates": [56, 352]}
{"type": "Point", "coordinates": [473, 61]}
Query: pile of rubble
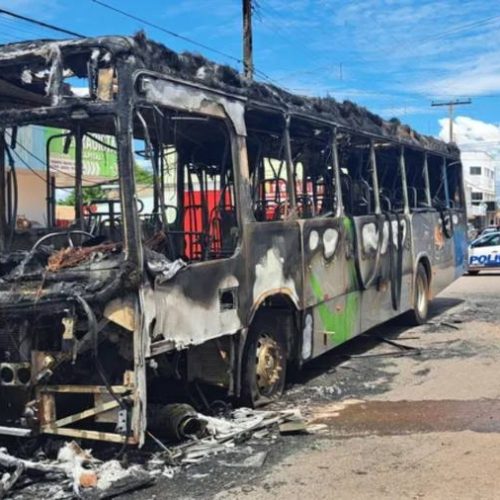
{"type": "Point", "coordinates": [77, 473]}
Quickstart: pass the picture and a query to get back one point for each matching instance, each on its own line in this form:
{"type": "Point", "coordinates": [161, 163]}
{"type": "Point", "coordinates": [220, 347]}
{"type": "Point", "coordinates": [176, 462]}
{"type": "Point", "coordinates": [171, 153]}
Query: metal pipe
{"type": "Point", "coordinates": [426, 181]}
{"type": "Point", "coordinates": [402, 169]}
{"type": "Point", "coordinates": [78, 176]}
{"type": "Point", "coordinates": [130, 219]}
{"type": "Point", "coordinates": [2, 191]}
{"type": "Point", "coordinates": [289, 164]}
{"type": "Point", "coordinates": [49, 196]}
{"type": "Point", "coordinates": [339, 209]}
{"type": "Point", "coordinates": [373, 165]}
{"type": "Point", "coordinates": [444, 174]}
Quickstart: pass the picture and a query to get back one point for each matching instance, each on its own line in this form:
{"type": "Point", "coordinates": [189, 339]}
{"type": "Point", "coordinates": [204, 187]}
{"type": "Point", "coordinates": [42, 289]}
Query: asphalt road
{"type": "Point", "coordinates": [418, 418]}
{"type": "Point", "coordinates": [410, 426]}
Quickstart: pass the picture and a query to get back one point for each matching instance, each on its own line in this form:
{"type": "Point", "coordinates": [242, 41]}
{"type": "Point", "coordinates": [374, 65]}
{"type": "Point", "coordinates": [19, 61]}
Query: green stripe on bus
{"type": "Point", "coordinates": [339, 325]}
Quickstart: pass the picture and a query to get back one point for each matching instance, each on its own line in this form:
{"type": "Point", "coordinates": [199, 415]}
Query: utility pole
{"type": "Point", "coordinates": [451, 105]}
{"type": "Point", "coordinates": [247, 39]}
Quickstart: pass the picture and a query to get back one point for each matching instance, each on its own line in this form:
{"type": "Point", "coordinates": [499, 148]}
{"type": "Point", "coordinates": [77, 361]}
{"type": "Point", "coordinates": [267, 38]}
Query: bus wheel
{"type": "Point", "coordinates": [418, 315]}
{"type": "Point", "coordinates": [473, 273]}
{"type": "Point", "coordinates": [264, 359]}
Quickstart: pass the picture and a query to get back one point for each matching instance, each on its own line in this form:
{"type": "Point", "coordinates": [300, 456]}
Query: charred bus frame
{"type": "Point", "coordinates": [324, 221]}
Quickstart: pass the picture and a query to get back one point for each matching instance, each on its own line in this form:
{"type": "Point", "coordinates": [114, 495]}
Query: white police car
{"type": "Point", "coordinates": [484, 253]}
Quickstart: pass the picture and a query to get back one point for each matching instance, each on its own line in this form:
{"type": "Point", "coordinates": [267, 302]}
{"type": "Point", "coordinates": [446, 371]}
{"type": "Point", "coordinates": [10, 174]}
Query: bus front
{"type": "Point", "coordinates": [70, 254]}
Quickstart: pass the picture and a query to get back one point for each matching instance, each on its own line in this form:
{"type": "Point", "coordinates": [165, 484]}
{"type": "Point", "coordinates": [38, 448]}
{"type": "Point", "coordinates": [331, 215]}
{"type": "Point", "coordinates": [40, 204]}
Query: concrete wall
{"type": "Point", "coordinates": [32, 194]}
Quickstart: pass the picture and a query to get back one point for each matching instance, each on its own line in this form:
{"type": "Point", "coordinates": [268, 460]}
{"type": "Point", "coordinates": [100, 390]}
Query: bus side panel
{"type": "Point", "coordinates": [341, 307]}
{"type": "Point", "coordinates": [443, 264]}
{"type": "Point", "coordinates": [195, 305]}
{"type": "Point", "coordinates": [460, 242]}
{"type": "Point", "coordinates": [271, 257]}
{"type": "Point", "coordinates": [376, 300]}
{"type": "Point", "coordinates": [330, 282]}
{"type": "Point", "coordinates": [209, 299]}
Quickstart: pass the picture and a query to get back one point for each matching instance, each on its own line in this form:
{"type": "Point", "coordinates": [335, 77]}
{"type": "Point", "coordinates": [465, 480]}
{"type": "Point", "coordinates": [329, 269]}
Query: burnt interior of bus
{"type": "Point", "coordinates": [192, 210]}
{"type": "Point", "coordinates": [48, 271]}
{"type": "Point", "coordinates": [46, 75]}
{"type": "Point", "coordinates": [49, 268]}
{"type": "Point", "coordinates": [310, 178]}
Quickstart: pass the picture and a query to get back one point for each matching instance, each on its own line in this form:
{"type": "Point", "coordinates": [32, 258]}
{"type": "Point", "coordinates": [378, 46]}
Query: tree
{"type": "Point", "coordinates": [89, 193]}
{"type": "Point", "coordinates": [142, 176]}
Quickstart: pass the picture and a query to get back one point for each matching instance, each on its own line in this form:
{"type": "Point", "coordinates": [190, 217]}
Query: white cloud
{"type": "Point", "coordinates": [468, 131]}
{"type": "Point", "coordinates": [476, 75]}
{"type": "Point", "coordinates": [474, 135]}
{"type": "Point", "coordinates": [407, 42]}
{"type": "Point", "coordinates": [402, 111]}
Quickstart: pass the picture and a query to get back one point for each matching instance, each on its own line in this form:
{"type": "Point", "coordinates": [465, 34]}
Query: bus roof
{"type": "Point", "coordinates": [197, 69]}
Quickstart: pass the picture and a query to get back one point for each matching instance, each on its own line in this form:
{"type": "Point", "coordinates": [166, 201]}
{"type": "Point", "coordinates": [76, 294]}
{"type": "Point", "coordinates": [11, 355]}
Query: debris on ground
{"type": "Point", "coordinates": [77, 473]}
{"type": "Point", "coordinates": [253, 460]}
{"type": "Point", "coordinates": [224, 433]}
{"type": "Point", "coordinates": [293, 427]}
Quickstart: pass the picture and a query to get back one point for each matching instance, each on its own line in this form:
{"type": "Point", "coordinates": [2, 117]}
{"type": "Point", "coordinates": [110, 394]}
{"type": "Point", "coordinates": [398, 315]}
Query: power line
{"type": "Point", "coordinates": [167, 31]}
{"type": "Point", "coordinates": [461, 27]}
{"type": "Point", "coordinates": [37, 158]}
{"type": "Point", "coordinates": [40, 23]}
{"type": "Point", "coordinates": [180, 37]}
{"type": "Point", "coordinates": [15, 25]}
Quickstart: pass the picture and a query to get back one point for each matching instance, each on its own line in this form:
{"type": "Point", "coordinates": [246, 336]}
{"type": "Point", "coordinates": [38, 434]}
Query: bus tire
{"type": "Point", "coordinates": [265, 359]}
{"type": "Point", "coordinates": [473, 273]}
{"type": "Point", "coordinates": [418, 315]}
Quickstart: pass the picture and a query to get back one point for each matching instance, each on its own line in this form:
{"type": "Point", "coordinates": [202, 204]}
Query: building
{"type": "Point", "coordinates": [29, 150]}
{"type": "Point", "coordinates": [497, 183]}
{"type": "Point", "coordinates": [480, 184]}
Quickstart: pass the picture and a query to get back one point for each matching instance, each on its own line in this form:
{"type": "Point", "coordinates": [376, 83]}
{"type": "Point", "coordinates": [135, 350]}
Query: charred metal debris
{"type": "Point", "coordinates": [147, 54]}
{"type": "Point", "coordinates": [66, 470]}
{"type": "Point", "coordinates": [97, 317]}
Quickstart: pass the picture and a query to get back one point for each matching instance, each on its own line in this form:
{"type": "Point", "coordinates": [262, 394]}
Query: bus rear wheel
{"type": "Point", "coordinates": [264, 359]}
{"type": "Point", "coordinates": [418, 315]}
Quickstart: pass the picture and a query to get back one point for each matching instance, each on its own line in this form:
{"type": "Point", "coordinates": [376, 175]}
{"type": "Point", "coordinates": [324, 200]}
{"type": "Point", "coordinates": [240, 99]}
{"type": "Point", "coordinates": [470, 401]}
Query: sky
{"type": "Point", "coordinates": [392, 56]}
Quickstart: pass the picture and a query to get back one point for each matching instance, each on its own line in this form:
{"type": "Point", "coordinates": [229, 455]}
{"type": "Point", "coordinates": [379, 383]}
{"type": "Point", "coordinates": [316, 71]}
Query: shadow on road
{"type": "Point", "coordinates": [367, 341]}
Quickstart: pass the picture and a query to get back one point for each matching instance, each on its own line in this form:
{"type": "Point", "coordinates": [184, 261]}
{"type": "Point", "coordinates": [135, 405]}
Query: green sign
{"type": "Point", "coordinates": [99, 156]}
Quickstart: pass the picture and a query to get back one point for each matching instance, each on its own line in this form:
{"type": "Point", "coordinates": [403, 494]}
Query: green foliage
{"type": "Point", "coordinates": [142, 176]}
{"type": "Point", "coordinates": [89, 193]}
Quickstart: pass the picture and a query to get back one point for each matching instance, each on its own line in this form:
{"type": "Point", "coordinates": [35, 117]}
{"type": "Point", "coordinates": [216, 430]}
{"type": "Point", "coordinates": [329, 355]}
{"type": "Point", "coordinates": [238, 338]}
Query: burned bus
{"type": "Point", "coordinates": [277, 228]}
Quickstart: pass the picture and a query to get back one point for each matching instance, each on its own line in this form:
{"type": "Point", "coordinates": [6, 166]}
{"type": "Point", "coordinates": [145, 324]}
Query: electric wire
{"type": "Point", "coordinates": [40, 23]}
{"type": "Point", "coordinates": [16, 25]}
{"type": "Point", "coordinates": [180, 37]}
{"type": "Point", "coordinates": [62, 172]}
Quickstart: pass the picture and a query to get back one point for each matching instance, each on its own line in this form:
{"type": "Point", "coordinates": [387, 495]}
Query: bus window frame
{"type": "Point", "coordinates": [444, 175]}
{"type": "Point", "coordinates": [374, 176]}
{"type": "Point", "coordinates": [404, 182]}
{"type": "Point", "coordinates": [339, 208]}
{"type": "Point", "coordinates": [292, 201]}
{"type": "Point", "coordinates": [427, 183]}
{"type": "Point", "coordinates": [192, 98]}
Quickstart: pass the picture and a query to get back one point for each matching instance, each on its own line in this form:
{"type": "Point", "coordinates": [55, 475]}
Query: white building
{"type": "Point", "coordinates": [479, 180]}
{"type": "Point", "coordinates": [497, 184]}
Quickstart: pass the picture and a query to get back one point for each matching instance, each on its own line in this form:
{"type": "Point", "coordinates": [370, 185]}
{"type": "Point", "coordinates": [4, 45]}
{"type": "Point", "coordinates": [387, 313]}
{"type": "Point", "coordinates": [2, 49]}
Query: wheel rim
{"type": "Point", "coordinates": [421, 296]}
{"type": "Point", "coordinates": [268, 364]}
